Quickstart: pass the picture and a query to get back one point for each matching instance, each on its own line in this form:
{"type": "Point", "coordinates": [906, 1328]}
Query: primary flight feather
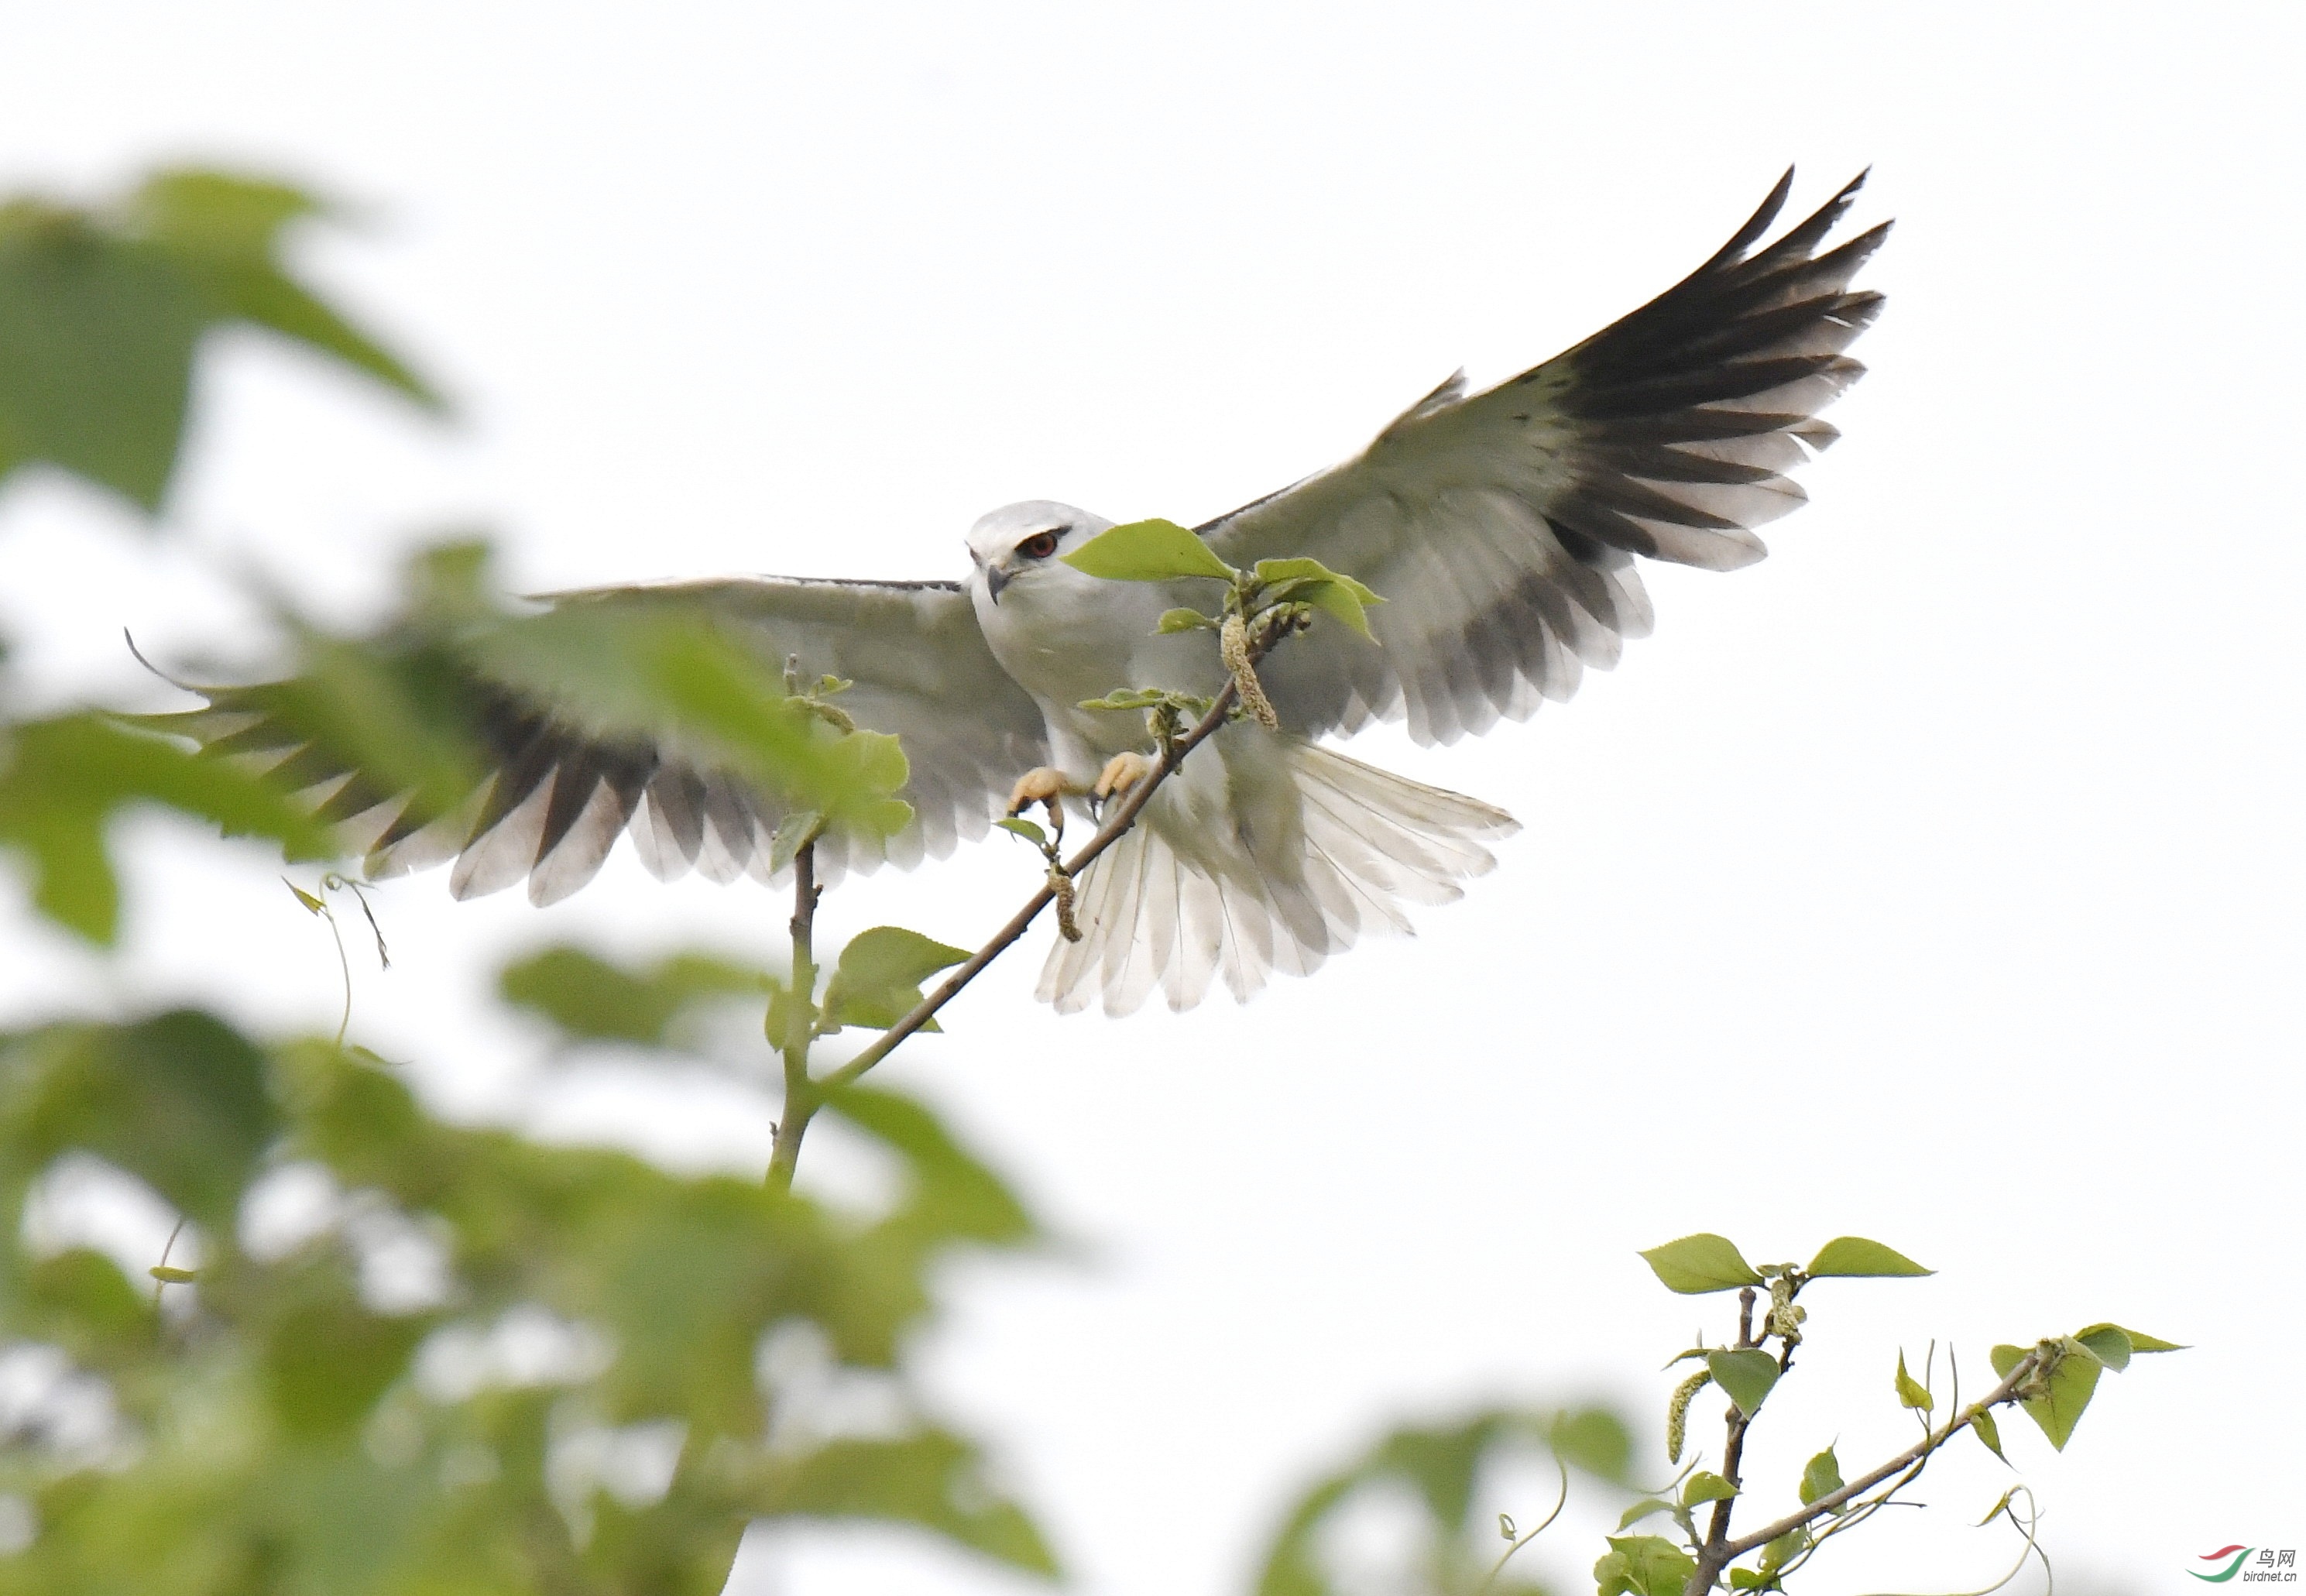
{"type": "Point", "coordinates": [1503, 528]}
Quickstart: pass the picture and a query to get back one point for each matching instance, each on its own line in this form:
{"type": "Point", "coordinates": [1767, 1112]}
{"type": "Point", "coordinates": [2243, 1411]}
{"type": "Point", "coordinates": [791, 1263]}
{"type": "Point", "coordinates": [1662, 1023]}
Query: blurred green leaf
{"type": "Point", "coordinates": [1696, 1265]}
{"type": "Point", "coordinates": [1911, 1392]}
{"type": "Point", "coordinates": [1784, 1549]}
{"type": "Point", "coordinates": [933, 1479]}
{"type": "Point", "coordinates": [327, 1357]}
{"type": "Point", "coordinates": [638, 671]}
{"type": "Point", "coordinates": [1821, 1477]}
{"type": "Point", "coordinates": [63, 781]}
{"type": "Point", "coordinates": [1855, 1256]}
{"type": "Point", "coordinates": [879, 977]}
{"type": "Point", "coordinates": [102, 310]}
{"type": "Point", "coordinates": [1747, 1377]}
{"type": "Point", "coordinates": [1173, 621]}
{"type": "Point", "coordinates": [1439, 1465]}
{"type": "Point", "coordinates": [1594, 1439]}
{"type": "Point", "coordinates": [1154, 550]}
{"type": "Point", "coordinates": [1647, 1507]}
{"type": "Point", "coordinates": [956, 1195]}
{"type": "Point", "coordinates": [179, 1101]}
{"type": "Point", "coordinates": [593, 1000]}
{"type": "Point", "coordinates": [1643, 1566]}
{"type": "Point", "coordinates": [1024, 828]}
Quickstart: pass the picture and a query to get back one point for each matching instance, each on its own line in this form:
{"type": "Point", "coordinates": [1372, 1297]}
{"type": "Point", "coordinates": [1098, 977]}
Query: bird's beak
{"type": "Point", "coordinates": [996, 577]}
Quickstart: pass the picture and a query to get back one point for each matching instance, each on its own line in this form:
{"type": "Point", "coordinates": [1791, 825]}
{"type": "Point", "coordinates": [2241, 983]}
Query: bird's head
{"type": "Point", "coordinates": [1019, 544]}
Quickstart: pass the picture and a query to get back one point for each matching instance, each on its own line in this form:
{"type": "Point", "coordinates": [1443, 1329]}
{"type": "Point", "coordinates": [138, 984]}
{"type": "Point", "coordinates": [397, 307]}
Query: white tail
{"type": "Point", "coordinates": [1267, 859]}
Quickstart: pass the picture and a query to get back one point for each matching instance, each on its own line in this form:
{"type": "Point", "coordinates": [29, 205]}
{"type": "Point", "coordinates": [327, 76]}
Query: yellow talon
{"type": "Point", "coordinates": [1041, 786]}
{"type": "Point", "coordinates": [1122, 773]}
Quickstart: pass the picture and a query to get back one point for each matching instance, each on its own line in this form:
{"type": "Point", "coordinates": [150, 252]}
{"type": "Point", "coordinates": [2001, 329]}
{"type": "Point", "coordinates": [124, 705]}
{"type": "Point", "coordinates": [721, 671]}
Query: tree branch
{"type": "Point", "coordinates": [802, 1095]}
{"type": "Point", "coordinates": [1115, 826]}
{"type": "Point", "coordinates": [2007, 1391]}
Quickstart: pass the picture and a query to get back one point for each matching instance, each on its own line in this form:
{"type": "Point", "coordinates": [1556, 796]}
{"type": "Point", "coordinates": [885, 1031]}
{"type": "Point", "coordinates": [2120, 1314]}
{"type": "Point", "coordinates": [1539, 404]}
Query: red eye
{"type": "Point", "coordinates": [1039, 546]}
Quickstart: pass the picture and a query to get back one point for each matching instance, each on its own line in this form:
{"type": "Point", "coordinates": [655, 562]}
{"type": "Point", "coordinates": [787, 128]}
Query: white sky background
{"type": "Point", "coordinates": [1937, 880]}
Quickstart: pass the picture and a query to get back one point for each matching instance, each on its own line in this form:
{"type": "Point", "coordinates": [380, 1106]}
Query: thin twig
{"type": "Point", "coordinates": [1558, 1503]}
{"type": "Point", "coordinates": [802, 1097]}
{"type": "Point", "coordinates": [2006, 1391]}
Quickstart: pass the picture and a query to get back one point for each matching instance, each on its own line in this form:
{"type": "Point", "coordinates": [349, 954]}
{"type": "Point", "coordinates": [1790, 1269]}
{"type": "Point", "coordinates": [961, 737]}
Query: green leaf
{"type": "Point", "coordinates": [956, 1195]}
{"type": "Point", "coordinates": [793, 832]}
{"type": "Point", "coordinates": [1821, 1477]}
{"type": "Point", "coordinates": [1154, 550]}
{"type": "Point", "coordinates": [1024, 828]}
{"type": "Point", "coordinates": [2072, 1383]}
{"type": "Point", "coordinates": [63, 779]}
{"type": "Point", "coordinates": [1310, 581]}
{"type": "Point", "coordinates": [1696, 1265]}
{"type": "Point", "coordinates": [1643, 1566]}
{"type": "Point", "coordinates": [1989, 1432]}
{"type": "Point", "coordinates": [933, 1480]}
{"type": "Point", "coordinates": [1747, 1377]}
{"type": "Point", "coordinates": [1594, 1439]}
{"type": "Point", "coordinates": [1172, 621]}
{"type": "Point", "coordinates": [179, 1101]}
{"type": "Point", "coordinates": [101, 312]}
{"type": "Point", "coordinates": [2131, 1342]}
{"type": "Point", "coordinates": [170, 1274]}
{"type": "Point", "coordinates": [1784, 1549]}
{"type": "Point", "coordinates": [1704, 1486]}
{"type": "Point", "coordinates": [1910, 1392]}
{"type": "Point", "coordinates": [1746, 1579]}
{"type": "Point", "coordinates": [593, 1000]}
{"type": "Point", "coordinates": [880, 975]}
{"type": "Point", "coordinates": [1855, 1256]}
{"type": "Point", "coordinates": [2004, 1358]}
{"type": "Point", "coordinates": [2108, 1344]}
{"type": "Point", "coordinates": [1647, 1507]}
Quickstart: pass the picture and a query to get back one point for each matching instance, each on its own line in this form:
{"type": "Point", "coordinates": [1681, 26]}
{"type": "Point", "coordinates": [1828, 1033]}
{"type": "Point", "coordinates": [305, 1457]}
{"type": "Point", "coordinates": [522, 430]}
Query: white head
{"type": "Point", "coordinates": [1019, 544]}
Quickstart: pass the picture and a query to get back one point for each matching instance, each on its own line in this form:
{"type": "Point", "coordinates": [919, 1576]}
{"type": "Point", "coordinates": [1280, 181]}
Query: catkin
{"type": "Point", "coordinates": [1677, 1413]}
{"type": "Point", "coordinates": [1232, 643]}
{"type": "Point", "coordinates": [1061, 885]}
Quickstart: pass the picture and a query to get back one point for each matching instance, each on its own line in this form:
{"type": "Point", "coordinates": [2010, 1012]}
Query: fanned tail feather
{"type": "Point", "coordinates": [1172, 905]}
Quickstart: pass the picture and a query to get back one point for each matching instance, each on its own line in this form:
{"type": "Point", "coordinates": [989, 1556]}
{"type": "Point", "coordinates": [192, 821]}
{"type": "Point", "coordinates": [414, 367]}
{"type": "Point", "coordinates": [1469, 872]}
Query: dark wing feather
{"type": "Point", "coordinates": [1501, 528]}
{"type": "Point", "coordinates": [559, 786]}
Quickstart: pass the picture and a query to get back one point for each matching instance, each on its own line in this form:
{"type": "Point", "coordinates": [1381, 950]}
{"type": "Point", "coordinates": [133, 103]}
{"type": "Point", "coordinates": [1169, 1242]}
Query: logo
{"type": "Point", "coordinates": [2268, 1566]}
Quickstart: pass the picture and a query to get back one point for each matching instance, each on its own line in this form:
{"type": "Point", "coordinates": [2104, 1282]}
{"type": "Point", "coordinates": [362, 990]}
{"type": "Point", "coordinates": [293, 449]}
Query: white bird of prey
{"type": "Point", "coordinates": [1502, 529]}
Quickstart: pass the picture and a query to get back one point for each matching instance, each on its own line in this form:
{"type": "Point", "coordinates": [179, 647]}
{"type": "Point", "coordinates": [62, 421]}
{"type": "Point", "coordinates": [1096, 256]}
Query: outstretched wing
{"type": "Point", "coordinates": [1501, 528]}
{"type": "Point", "coordinates": [561, 783]}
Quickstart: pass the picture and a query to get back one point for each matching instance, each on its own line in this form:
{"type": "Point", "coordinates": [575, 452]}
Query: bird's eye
{"type": "Point", "coordinates": [1039, 546]}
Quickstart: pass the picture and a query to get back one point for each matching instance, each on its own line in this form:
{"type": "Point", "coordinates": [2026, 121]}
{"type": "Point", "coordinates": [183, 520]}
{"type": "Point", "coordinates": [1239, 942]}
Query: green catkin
{"type": "Point", "coordinates": [1677, 1413]}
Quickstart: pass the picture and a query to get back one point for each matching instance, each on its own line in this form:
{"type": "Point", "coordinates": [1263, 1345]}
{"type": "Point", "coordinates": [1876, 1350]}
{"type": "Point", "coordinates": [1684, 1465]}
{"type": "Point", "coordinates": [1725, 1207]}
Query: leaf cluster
{"type": "Point", "coordinates": [281, 1425]}
{"type": "Point", "coordinates": [278, 1414]}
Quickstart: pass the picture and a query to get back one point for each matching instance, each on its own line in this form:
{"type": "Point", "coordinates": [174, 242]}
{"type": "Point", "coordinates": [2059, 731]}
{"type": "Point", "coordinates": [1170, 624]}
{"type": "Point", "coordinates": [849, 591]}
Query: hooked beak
{"type": "Point", "coordinates": [996, 577]}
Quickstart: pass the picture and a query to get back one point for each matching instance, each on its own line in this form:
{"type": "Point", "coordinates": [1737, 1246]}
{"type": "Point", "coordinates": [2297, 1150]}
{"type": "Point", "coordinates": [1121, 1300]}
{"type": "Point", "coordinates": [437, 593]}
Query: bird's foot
{"type": "Point", "coordinates": [1045, 785]}
{"type": "Point", "coordinates": [1122, 773]}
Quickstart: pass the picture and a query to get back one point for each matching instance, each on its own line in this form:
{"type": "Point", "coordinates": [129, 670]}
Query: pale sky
{"type": "Point", "coordinates": [1937, 880]}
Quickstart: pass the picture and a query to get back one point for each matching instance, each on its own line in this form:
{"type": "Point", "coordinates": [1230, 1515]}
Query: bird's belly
{"type": "Point", "coordinates": [1065, 660]}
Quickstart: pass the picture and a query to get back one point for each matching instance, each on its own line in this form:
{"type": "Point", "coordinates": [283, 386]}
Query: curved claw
{"type": "Point", "coordinates": [1122, 773]}
{"type": "Point", "coordinates": [1043, 785]}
